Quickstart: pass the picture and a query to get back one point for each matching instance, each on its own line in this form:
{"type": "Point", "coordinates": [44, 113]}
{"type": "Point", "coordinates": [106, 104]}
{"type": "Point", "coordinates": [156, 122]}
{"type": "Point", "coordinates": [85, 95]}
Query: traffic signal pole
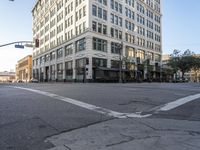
{"type": "Point", "coordinates": [23, 43]}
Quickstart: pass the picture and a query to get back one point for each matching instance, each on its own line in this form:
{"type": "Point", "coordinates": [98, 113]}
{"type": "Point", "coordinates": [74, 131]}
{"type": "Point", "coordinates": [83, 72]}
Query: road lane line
{"type": "Point", "coordinates": [111, 113]}
{"type": "Point", "coordinates": [179, 102]}
{"type": "Point", "coordinates": [85, 105]}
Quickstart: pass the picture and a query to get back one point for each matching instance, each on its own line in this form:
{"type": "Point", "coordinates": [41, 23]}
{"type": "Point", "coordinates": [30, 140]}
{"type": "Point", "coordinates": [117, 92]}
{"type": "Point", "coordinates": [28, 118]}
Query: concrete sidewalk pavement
{"type": "Point", "coordinates": [132, 134]}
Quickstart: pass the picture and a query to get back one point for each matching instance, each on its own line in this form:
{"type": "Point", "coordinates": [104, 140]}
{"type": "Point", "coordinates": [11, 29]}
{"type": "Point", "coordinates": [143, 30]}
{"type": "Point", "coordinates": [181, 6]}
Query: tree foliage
{"type": "Point", "coordinates": [183, 61]}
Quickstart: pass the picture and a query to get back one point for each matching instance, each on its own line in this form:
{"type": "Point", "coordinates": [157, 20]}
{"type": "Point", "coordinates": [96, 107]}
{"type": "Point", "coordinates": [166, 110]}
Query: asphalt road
{"type": "Point", "coordinates": [28, 118]}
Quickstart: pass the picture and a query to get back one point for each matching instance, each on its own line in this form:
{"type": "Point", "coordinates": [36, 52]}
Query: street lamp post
{"type": "Point", "coordinates": [120, 49]}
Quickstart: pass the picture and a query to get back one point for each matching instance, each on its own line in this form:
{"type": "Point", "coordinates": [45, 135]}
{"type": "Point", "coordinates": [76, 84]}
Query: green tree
{"type": "Point", "coordinates": [173, 61]}
{"type": "Point", "coordinates": [182, 61]}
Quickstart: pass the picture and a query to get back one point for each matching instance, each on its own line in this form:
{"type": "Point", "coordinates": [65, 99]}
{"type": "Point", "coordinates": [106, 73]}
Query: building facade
{"type": "Point", "coordinates": [168, 73]}
{"type": "Point", "coordinates": [7, 76]}
{"type": "Point", "coordinates": [194, 74]}
{"type": "Point", "coordinates": [24, 69]}
{"type": "Point", "coordinates": [97, 39]}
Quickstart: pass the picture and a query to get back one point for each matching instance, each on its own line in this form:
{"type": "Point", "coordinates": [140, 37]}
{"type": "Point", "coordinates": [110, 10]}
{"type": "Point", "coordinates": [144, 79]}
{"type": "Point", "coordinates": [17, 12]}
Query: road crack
{"type": "Point", "coordinates": [190, 132]}
{"type": "Point", "coordinates": [68, 148]}
{"type": "Point", "coordinates": [131, 138]}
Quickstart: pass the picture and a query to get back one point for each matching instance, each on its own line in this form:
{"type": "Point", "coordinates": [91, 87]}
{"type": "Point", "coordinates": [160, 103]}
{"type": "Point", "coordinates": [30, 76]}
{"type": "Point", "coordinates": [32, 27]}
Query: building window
{"type": "Point", "coordinates": [104, 14]}
{"type": "Point", "coordinates": [80, 45]}
{"type": "Point", "coordinates": [116, 20]}
{"type": "Point", "coordinates": [99, 27]}
{"type": "Point", "coordinates": [94, 26]}
{"type": "Point", "coordinates": [94, 10]}
{"type": "Point", "coordinates": [80, 13]}
{"type": "Point", "coordinates": [80, 68]}
{"type": "Point", "coordinates": [52, 55]}
{"type": "Point", "coordinates": [60, 71]}
{"type": "Point", "coordinates": [69, 70]}
{"type": "Point", "coordinates": [115, 33]}
{"type": "Point", "coordinates": [112, 4]}
{"type": "Point", "coordinates": [69, 49]}
{"type": "Point", "coordinates": [105, 2]}
{"type": "Point", "coordinates": [99, 44]}
{"type": "Point", "coordinates": [115, 64]}
{"type": "Point", "coordinates": [112, 32]}
{"type": "Point", "coordinates": [130, 38]}
{"type": "Point", "coordinates": [104, 29]}
{"type": "Point", "coordinates": [120, 21]}
{"type": "Point", "coordinates": [130, 52]}
{"type": "Point", "coordinates": [140, 54]}
{"type": "Point", "coordinates": [120, 34]}
{"type": "Point", "coordinates": [84, 11]}
{"type": "Point", "coordinates": [99, 12]}
{"type": "Point", "coordinates": [60, 53]}
{"type": "Point", "coordinates": [116, 6]}
{"type": "Point", "coordinates": [112, 18]}
{"type": "Point", "coordinates": [115, 48]}
{"type": "Point", "coordinates": [53, 70]}
{"type": "Point", "coordinates": [120, 8]}
{"type": "Point", "coordinates": [98, 62]}
{"type": "Point", "coordinates": [47, 57]}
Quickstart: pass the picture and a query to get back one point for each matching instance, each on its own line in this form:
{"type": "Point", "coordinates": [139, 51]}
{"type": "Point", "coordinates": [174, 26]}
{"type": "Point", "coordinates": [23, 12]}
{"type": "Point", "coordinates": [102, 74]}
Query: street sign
{"type": "Point", "coordinates": [19, 46]}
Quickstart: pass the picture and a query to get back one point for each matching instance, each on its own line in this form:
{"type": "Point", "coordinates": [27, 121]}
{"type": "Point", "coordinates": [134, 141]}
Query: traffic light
{"type": "Point", "coordinates": [138, 60]}
{"type": "Point", "coordinates": [36, 43]}
{"type": "Point", "coordinates": [87, 61]}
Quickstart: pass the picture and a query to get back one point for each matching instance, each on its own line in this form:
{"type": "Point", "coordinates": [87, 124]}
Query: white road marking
{"type": "Point", "coordinates": [112, 113]}
{"type": "Point", "coordinates": [179, 102]}
{"type": "Point", "coordinates": [85, 105]}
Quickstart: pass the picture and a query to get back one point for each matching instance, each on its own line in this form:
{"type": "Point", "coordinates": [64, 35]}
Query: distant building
{"type": "Point", "coordinates": [165, 60]}
{"type": "Point", "coordinates": [193, 75]}
{"type": "Point", "coordinates": [88, 39]}
{"type": "Point", "coordinates": [24, 69]}
{"type": "Point", "coordinates": [167, 72]}
{"type": "Point", "coordinates": [7, 76]}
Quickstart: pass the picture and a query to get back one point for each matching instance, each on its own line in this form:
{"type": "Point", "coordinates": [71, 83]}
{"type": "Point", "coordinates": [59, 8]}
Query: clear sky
{"type": "Point", "coordinates": [181, 28]}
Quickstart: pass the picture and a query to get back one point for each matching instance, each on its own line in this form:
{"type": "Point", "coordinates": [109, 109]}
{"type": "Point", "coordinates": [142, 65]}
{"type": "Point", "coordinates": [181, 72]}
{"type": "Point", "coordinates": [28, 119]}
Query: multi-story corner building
{"type": "Point", "coordinates": [24, 69]}
{"type": "Point", "coordinates": [96, 39]}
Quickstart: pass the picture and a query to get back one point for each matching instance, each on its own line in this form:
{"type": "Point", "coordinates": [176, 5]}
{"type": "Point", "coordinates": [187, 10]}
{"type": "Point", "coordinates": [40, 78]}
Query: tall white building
{"type": "Point", "coordinates": [81, 39]}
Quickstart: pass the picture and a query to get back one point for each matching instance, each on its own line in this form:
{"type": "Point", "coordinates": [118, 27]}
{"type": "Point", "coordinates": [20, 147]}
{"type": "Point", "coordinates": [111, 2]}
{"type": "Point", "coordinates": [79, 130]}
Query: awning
{"type": "Point", "coordinates": [112, 69]}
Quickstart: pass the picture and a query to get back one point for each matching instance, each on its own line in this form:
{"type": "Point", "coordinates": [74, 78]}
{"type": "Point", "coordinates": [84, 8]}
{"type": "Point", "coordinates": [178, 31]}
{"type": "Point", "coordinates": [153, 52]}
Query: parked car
{"type": "Point", "coordinates": [19, 81]}
{"type": "Point", "coordinates": [34, 80]}
{"type": "Point", "coordinates": [180, 80]}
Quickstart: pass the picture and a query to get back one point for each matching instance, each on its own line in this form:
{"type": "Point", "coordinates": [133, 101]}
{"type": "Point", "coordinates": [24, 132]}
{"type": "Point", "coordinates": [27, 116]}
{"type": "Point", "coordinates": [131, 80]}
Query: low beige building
{"type": "Point", "coordinates": [24, 69]}
{"type": "Point", "coordinates": [7, 76]}
{"type": "Point", "coordinates": [193, 75]}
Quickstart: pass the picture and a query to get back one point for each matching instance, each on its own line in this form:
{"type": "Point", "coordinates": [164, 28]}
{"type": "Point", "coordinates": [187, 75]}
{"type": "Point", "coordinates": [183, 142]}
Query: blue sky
{"type": "Point", "coordinates": [181, 25]}
{"type": "Point", "coordinates": [181, 28]}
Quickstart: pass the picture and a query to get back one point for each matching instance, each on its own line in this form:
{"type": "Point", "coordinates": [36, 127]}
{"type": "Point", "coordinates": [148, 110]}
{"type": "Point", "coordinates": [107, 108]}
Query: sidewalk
{"type": "Point", "coordinates": [132, 134]}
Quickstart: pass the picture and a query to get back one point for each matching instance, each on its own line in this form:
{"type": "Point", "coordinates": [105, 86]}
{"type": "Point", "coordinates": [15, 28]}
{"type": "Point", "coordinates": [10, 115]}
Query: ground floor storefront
{"type": "Point", "coordinates": [96, 71]}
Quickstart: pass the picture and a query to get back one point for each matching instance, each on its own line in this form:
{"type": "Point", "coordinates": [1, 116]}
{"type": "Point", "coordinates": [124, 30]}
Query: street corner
{"type": "Point", "coordinates": [140, 133]}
